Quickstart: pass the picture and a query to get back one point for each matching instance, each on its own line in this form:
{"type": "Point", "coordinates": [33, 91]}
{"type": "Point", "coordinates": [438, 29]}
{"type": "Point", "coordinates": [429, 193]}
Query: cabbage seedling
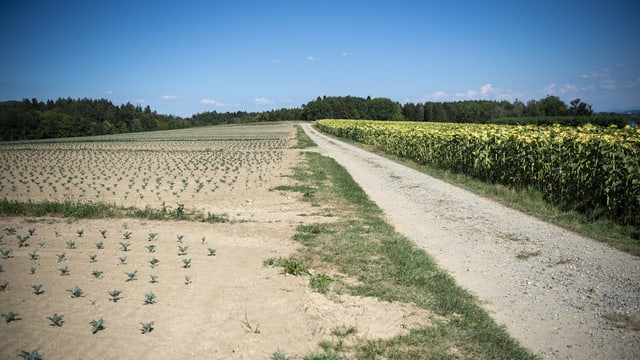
{"type": "Point", "coordinates": [124, 246]}
{"type": "Point", "coordinates": [61, 256]}
{"type": "Point", "coordinates": [71, 244]}
{"type": "Point", "coordinates": [96, 325]}
{"type": "Point", "coordinates": [186, 263]}
{"type": "Point", "coordinates": [96, 274]}
{"type": "Point", "coordinates": [64, 271]}
{"type": "Point", "coordinates": [151, 248]}
{"type": "Point", "coordinates": [149, 298]}
{"type": "Point", "coordinates": [76, 292]}
{"type": "Point", "coordinates": [103, 233]}
{"type": "Point", "coordinates": [127, 235]}
{"type": "Point", "coordinates": [6, 253]}
{"type": "Point", "coordinates": [10, 316]}
{"type": "Point", "coordinates": [212, 252]}
{"type": "Point", "coordinates": [33, 355]}
{"type": "Point", "coordinates": [56, 320]}
{"type": "Point", "coordinates": [37, 289]}
{"type": "Point", "coordinates": [146, 327]}
{"type": "Point", "coordinates": [133, 275]}
{"type": "Point", "coordinates": [100, 245]}
{"type": "Point", "coordinates": [80, 232]}
{"type": "Point", "coordinates": [92, 257]}
{"type": "Point", "coordinates": [33, 255]}
{"type": "Point", "coordinates": [115, 295]}
{"type": "Point", "coordinates": [152, 236]}
{"type": "Point", "coordinates": [154, 262]}
{"type": "Point", "coordinates": [22, 241]}
{"type": "Point", "coordinates": [154, 279]}
{"type": "Point", "coordinates": [123, 260]}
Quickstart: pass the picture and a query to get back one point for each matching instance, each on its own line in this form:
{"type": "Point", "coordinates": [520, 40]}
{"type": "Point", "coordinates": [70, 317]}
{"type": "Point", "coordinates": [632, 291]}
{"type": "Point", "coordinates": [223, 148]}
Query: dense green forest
{"type": "Point", "coordinates": [66, 117]}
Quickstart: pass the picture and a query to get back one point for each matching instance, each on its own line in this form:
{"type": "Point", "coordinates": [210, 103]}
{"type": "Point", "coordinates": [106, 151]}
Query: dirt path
{"type": "Point", "coordinates": [552, 289]}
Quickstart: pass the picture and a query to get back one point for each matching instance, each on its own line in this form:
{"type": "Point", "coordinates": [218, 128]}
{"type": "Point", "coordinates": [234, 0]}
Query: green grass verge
{"type": "Point", "coordinates": [531, 202]}
{"type": "Point", "coordinates": [92, 210]}
{"type": "Point", "coordinates": [390, 267]}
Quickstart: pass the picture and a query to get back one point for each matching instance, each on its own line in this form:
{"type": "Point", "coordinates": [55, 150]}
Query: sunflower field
{"type": "Point", "coordinates": [591, 169]}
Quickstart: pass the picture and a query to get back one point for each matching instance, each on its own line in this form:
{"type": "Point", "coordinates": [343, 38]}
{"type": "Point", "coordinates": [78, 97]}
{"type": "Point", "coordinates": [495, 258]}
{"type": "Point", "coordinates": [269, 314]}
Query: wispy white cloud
{"type": "Point", "coordinates": [168, 97]}
{"type": "Point", "coordinates": [140, 101]}
{"type": "Point", "coordinates": [263, 101]}
{"type": "Point", "coordinates": [486, 92]}
{"type": "Point", "coordinates": [609, 84]}
{"type": "Point", "coordinates": [568, 88]}
{"type": "Point", "coordinates": [310, 58]}
{"type": "Point", "coordinates": [108, 92]}
{"type": "Point", "coordinates": [212, 102]}
{"type": "Point", "coordinates": [277, 61]}
{"type": "Point", "coordinates": [550, 89]}
{"type": "Point", "coordinates": [346, 53]}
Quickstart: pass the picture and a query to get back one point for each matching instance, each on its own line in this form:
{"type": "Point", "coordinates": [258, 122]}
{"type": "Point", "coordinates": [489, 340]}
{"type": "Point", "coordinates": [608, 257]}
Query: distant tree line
{"type": "Point", "coordinates": [66, 117]}
{"type": "Point", "coordinates": [33, 119]}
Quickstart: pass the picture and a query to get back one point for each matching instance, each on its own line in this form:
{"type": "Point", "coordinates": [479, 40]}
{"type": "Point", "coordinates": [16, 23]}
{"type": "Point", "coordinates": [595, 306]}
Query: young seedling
{"type": "Point", "coordinates": [133, 275]}
{"type": "Point", "coordinates": [146, 327]}
{"type": "Point", "coordinates": [10, 316]}
{"type": "Point", "coordinates": [33, 255]}
{"type": "Point", "coordinates": [22, 241]}
{"type": "Point", "coordinates": [103, 233]}
{"type": "Point", "coordinates": [76, 292]}
{"type": "Point", "coordinates": [149, 298]}
{"type": "Point", "coordinates": [92, 257]}
{"type": "Point", "coordinates": [124, 246]}
{"type": "Point", "coordinates": [154, 279]}
{"type": "Point", "coordinates": [212, 252]}
{"type": "Point", "coordinates": [41, 244]}
{"type": "Point", "coordinates": [100, 245]}
{"type": "Point", "coordinates": [182, 250]}
{"type": "Point", "coordinates": [64, 271]}
{"type": "Point", "coordinates": [33, 270]}
{"type": "Point", "coordinates": [96, 325]}
{"type": "Point", "coordinates": [70, 244]}
{"type": "Point", "coordinates": [204, 239]}
{"type": "Point", "coordinates": [32, 231]}
{"type": "Point", "coordinates": [123, 260]}
{"type": "Point", "coordinates": [186, 263]}
{"type": "Point", "coordinates": [154, 262]}
{"type": "Point", "coordinates": [10, 230]}
{"type": "Point", "coordinates": [80, 232]}
{"type": "Point", "coordinates": [4, 286]}
{"type": "Point", "coordinates": [33, 355]}
{"type": "Point", "coordinates": [96, 274]}
{"type": "Point", "coordinates": [152, 236]}
{"type": "Point", "coordinates": [1, 269]}
{"type": "Point", "coordinates": [127, 235]}
{"type": "Point", "coordinates": [115, 295]}
{"type": "Point", "coordinates": [56, 320]}
{"type": "Point", "coordinates": [6, 253]}
{"type": "Point", "coordinates": [37, 289]}
{"type": "Point", "coordinates": [61, 256]}
{"type": "Point", "coordinates": [187, 280]}
{"type": "Point", "coordinates": [179, 237]}
{"type": "Point", "coordinates": [151, 248]}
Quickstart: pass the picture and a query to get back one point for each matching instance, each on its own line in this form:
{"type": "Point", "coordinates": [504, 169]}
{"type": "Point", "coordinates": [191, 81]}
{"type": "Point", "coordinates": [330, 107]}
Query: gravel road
{"type": "Point", "coordinates": [551, 288]}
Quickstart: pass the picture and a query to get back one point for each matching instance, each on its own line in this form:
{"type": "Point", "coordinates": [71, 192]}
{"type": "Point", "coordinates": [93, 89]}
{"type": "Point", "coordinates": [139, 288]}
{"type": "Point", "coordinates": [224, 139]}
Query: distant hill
{"type": "Point", "coordinates": [8, 102]}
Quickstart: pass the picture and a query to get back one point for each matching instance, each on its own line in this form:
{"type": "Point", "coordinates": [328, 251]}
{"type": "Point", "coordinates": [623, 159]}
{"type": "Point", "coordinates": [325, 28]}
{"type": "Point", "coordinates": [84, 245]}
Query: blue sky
{"type": "Point", "coordinates": [186, 57]}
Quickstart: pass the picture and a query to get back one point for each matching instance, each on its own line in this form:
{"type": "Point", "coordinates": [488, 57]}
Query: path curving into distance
{"type": "Point", "coordinates": [548, 286]}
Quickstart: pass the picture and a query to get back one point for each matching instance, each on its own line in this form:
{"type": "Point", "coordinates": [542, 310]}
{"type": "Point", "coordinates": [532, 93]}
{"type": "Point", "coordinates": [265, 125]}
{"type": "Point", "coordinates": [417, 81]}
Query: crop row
{"type": "Point", "coordinates": [591, 169]}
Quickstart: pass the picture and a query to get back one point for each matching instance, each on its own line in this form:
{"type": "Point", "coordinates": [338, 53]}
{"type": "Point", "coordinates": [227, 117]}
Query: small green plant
{"type": "Point", "coordinates": [4, 286]}
{"type": "Point", "coordinates": [71, 244]}
{"type": "Point", "coordinates": [76, 292]}
{"type": "Point", "coordinates": [154, 279]}
{"type": "Point", "coordinates": [56, 320]}
{"type": "Point", "coordinates": [34, 255]}
{"type": "Point", "coordinates": [41, 244]}
{"type": "Point", "coordinates": [97, 325]}
{"type": "Point", "coordinates": [280, 355]}
{"type": "Point", "coordinates": [127, 235]}
{"type": "Point", "coordinates": [10, 316]}
{"type": "Point", "coordinates": [133, 275]}
{"type": "Point", "coordinates": [80, 232]}
{"type": "Point", "coordinates": [33, 355]}
{"type": "Point", "coordinates": [10, 230]}
{"type": "Point", "coordinates": [61, 256]}
{"type": "Point", "coordinates": [64, 271]}
{"type": "Point", "coordinates": [103, 232]}
{"type": "Point", "coordinates": [146, 327]}
{"type": "Point", "coordinates": [182, 250]}
{"type": "Point", "coordinates": [32, 231]}
{"type": "Point", "coordinates": [93, 257]}
{"type": "Point", "coordinates": [248, 327]}
{"type": "Point", "coordinates": [6, 253]}
{"type": "Point", "coordinates": [203, 240]}
{"type": "Point", "coordinates": [294, 267]}
{"type": "Point", "coordinates": [151, 248]}
{"type": "Point", "coordinates": [115, 295]}
{"type": "Point", "coordinates": [152, 236]}
{"type": "Point", "coordinates": [149, 298]}
{"type": "Point", "coordinates": [124, 246]}
{"type": "Point", "coordinates": [37, 289]}
{"type": "Point", "coordinates": [212, 252]}
{"type": "Point", "coordinates": [1, 269]}
{"type": "Point", "coordinates": [23, 241]}
{"type": "Point", "coordinates": [123, 260]}
{"type": "Point", "coordinates": [154, 262]}
{"type": "Point", "coordinates": [33, 270]}
{"type": "Point", "coordinates": [99, 245]}
{"type": "Point", "coordinates": [179, 237]}
{"type": "Point", "coordinates": [186, 263]}
{"type": "Point", "coordinates": [96, 274]}
{"type": "Point", "coordinates": [320, 283]}
{"type": "Point", "coordinates": [187, 280]}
